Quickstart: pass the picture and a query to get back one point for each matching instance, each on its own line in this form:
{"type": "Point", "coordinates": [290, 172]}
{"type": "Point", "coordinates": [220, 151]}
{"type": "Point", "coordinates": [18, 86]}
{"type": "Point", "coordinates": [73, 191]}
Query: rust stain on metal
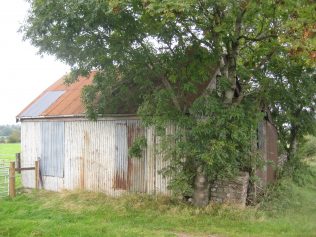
{"type": "Point", "coordinates": [262, 173]}
{"type": "Point", "coordinates": [69, 103]}
{"type": "Point", "coordinates": [136, 166]}
{"type": "Point", "coordinates": [267, 144]}
{"type": "Point", "coordinates": [85, 153]}
{"type": "Point", "coordinates": [272, 151]}
{"type": "Point", "coordinates": [86, 138]}
{"type": "Point", "coordinates": [129, 172]}
{"type": "Point", "coordinates": [120, 181]}
{"type": "Point", "coordinates": [81, 173]}
{"type": "Point", "coordinates": [121, 156]}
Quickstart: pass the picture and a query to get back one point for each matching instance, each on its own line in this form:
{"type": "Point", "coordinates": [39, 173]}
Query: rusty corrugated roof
{"type": "Point", "coordinates": [59, 99]}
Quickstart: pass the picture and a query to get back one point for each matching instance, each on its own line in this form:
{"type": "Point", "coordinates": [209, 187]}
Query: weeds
{"type": "Point", "coordinates": [297, 179]}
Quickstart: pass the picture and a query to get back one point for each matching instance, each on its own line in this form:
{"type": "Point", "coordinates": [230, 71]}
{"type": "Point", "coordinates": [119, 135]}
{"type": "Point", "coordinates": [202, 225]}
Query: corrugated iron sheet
{"type": "Point", "coordinates": [52, 157]}
{"type": "Point", "coordinates": [150, 174]}
{"type": "Point", "coordinates": [267, 145]}
{"type": "Point", "coordinates": [59, 99]}
{"type": "Point", "coordinates": [89, 156]}
{"type": "Point", "coordinates": [136, 165]}
{"type": "Point", "coordinates": [121, 156]}
{"type": "Point", "coordinates": [42, 103]}
{"type": "Point", "coordinates": [30, 150]}
{"type": "Point", "coordinates": [261, 145]}
{"type": "Point", "coordinates": [272, 151]}
{"type": "Point", "coordinates": [96, 157]}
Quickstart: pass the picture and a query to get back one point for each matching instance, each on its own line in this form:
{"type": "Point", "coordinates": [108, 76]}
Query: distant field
{"type": "Point", "coordinates": [8, 151]}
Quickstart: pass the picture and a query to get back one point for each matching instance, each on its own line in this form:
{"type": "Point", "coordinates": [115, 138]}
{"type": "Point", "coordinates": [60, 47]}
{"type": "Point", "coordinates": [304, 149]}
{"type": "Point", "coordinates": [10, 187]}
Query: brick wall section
{"type": "Point", "coordinates": [232, 191]}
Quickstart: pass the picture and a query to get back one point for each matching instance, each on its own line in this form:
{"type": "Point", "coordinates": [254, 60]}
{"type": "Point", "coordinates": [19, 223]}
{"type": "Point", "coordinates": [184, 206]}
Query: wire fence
{"type": "Point", "coordinates": [4, 176]}
{"type": "Point", "coordinates": [5, 160]}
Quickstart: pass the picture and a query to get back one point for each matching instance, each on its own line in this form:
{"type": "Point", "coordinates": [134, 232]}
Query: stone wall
{"type": "Point", "coordinates": [232, 191]}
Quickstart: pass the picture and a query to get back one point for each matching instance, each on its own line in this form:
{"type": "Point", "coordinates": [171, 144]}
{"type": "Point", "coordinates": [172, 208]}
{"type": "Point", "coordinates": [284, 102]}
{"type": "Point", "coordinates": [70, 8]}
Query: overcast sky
{"type": "Point", "coordinates": [24, 74]}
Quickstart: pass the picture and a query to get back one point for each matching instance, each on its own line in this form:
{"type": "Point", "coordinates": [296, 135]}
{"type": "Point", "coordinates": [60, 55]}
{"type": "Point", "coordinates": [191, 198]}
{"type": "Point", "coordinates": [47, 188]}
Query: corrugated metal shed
{"type": "Point", "coordinates": [76, 153]}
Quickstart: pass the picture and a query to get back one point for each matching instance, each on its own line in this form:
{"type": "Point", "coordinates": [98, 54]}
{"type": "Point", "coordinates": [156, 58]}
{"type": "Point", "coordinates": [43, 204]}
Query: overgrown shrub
{"type": "Point", "coordinates": [308, 148]}
{"type": "Point", "coordinates": [215, 137]}
{"type": "Point", "coordinates": [298, 171]}
{"type": "Point", "coordinates": [285, 191]}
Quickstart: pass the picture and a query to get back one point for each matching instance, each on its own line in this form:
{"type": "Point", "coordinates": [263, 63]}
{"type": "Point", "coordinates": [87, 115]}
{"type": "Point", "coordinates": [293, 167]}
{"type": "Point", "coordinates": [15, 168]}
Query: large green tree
{"type": "Point", "coordinates": [194, 63]}
{"type": "Point", "coordinates": [289, 88]}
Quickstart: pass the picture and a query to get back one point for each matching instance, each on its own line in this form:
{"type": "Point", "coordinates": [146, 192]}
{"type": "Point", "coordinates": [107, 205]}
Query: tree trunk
{"type": "Point", "coordinates": [201, 189]}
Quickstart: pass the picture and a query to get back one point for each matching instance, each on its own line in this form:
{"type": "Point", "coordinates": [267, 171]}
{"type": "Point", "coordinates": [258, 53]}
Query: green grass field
{"type": "Point", "coordinates": [75, 214]}
{"type": "Point", "coordinates": [7, 151]}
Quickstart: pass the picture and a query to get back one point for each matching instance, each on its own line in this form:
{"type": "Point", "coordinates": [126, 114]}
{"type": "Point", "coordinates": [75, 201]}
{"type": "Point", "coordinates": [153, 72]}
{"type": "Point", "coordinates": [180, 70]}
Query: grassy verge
{"type": "Point", "coordinates": [89, 214]}
{"type": "Point", "coordinates": [290, 212]}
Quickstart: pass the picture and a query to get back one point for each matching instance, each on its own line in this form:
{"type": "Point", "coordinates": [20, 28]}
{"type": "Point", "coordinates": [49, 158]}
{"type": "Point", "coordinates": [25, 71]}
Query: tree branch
{"type": "Point", "coordinates": [169, 87]}
{"type": "Point", "coordinates": [165, 81]}
{"type": "Point", "coordinates": [256, 39]}
{"type": "Point", "coordinates": [212, 84]}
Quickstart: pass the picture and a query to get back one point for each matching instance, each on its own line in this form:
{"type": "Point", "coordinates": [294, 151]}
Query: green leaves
{"type": "Point", "coordinates": [289, 87]}
{"type": "Point", "coordinates": [218, 137]}
{"type": "Point", "coordinates": [163, 58]}
{"type": "Point", "coordinates": [137, 147]}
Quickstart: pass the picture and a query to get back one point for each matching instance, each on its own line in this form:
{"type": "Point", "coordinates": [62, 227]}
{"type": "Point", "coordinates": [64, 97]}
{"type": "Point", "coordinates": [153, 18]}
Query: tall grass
{"type": "Point", "coordinates": [289, 209]}
{"type": "Point", "coordinates": [78, 213]}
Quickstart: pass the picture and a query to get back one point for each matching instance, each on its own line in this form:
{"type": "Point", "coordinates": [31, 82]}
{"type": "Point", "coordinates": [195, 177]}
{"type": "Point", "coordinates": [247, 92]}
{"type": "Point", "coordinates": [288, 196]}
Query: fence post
{"type": "Point", "coordinates": [12, 179]}
{"type": "Point", "coordinates": [18, 162]}
{"type": "Point", "coordinates": [36, 175]}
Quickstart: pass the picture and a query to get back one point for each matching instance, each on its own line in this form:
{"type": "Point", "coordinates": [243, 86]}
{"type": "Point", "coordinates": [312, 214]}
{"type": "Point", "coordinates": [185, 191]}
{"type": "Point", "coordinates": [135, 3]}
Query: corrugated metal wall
{"type": "Point", "coordinates": [267, 145]}
{"type": "Point", "coordinates": [31, 150]}
{"type": "Point", "coordinates": [272, 151]}
{"type": "Point", "coordinates": [136, 166]}
{"type": "Point", "coordinates": [96, 156]}
{"type": "Point", "coordinates": [121, 156]}
{"type": "Point", "coordinates": [150, 174]}
{"type": "Point", "coordinates": [52, 149]}
{"type": "Point", "coordinates": [90, 153]}
{"type": "Point", "coordinates": [262, 172]}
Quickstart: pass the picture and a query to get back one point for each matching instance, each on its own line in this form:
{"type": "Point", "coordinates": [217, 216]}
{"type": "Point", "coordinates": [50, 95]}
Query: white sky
{"type": "Point", "coordinates": [23, 73]}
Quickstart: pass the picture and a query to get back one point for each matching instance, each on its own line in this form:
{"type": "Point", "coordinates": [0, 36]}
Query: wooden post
{"type": "Point", "coordinates": [12, 179]}
{"type": "Point", "coordinates": [36, 175]}
{"type": "Point", "coordinates": [18, 162]}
